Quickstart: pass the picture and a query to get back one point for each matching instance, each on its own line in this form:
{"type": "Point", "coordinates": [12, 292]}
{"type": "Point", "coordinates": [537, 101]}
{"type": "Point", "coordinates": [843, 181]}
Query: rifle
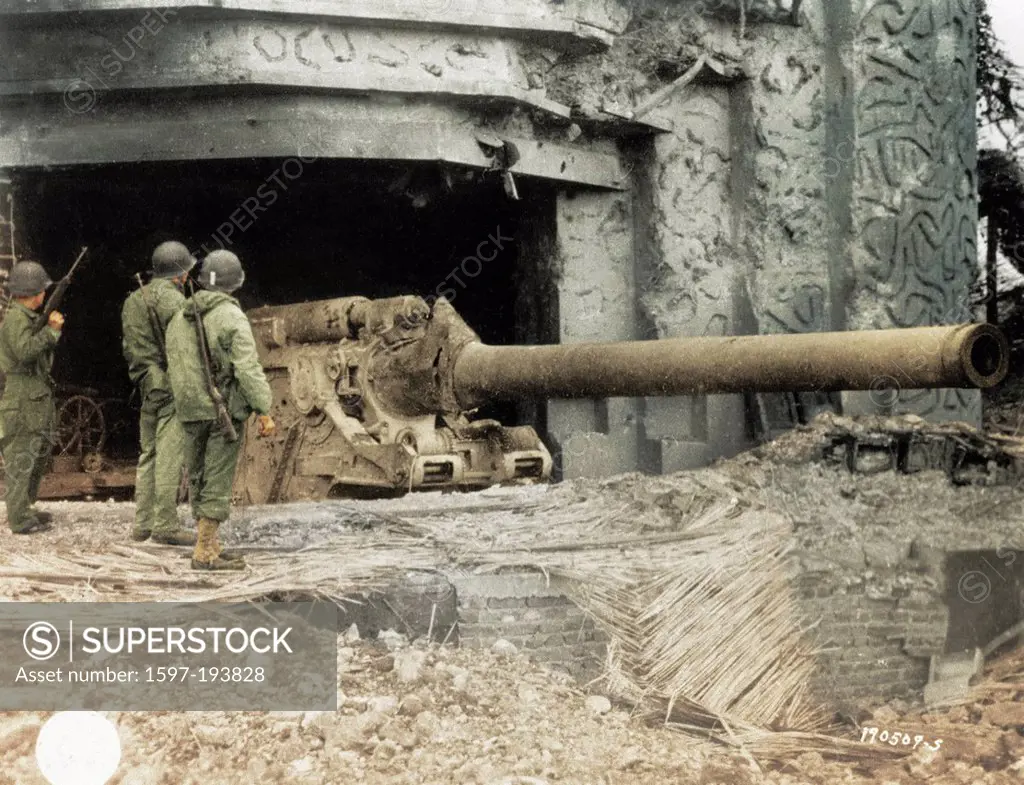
{"type": "Point", "coordinates": [57, 295]}
{"type": "Point", "coordinates": [154, 319]}
{"type": "Point", "coordinates": [227, 427]}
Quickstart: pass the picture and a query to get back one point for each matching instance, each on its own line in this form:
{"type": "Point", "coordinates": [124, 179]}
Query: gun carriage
{"type": "Point", "coordinates": [377, 397]}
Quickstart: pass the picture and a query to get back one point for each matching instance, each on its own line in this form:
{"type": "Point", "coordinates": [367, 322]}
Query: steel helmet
{"type": "Point", "coordinates": [27, 279]}
{"type": "Point", "coordinates": [172, 259]}
{"type": "Point", "coordinates": [222, 272]}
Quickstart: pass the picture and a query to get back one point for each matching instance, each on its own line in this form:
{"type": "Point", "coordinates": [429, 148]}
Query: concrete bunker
{"type": "Point", "coordinates": [741, 199]}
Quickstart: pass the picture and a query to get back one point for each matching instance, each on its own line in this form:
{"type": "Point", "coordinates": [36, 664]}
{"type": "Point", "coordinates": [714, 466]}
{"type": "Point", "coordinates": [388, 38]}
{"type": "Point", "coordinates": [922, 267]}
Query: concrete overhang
{"type": "Point", "coordinates": [43, 133]}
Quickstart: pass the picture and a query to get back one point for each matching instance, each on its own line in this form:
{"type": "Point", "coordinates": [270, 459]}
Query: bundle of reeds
{"type": "Point", "coordinates": [705, 636]}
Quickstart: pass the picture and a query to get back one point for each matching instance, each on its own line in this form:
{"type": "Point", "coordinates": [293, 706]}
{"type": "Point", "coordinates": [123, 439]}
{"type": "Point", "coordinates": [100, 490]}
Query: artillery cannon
{"type": "Point", "coordinates": [374, 397]}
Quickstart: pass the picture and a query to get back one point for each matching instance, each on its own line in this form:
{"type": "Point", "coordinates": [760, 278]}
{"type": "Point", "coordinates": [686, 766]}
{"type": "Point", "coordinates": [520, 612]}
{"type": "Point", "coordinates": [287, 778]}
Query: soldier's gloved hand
{"type": "Point", "coordinates": [56, 320]}
{"type": "Point", "coordinates": [265, 425]}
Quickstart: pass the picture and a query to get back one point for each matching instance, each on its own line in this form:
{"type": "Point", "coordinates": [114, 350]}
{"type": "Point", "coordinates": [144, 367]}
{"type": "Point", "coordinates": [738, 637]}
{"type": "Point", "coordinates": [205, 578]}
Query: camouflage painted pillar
{"type": "Point", "coordinates": [594, 286]}
{"type": "Point", "coordinates": [913, 236]}
{"type": "Point", "coordinates": [688, 270]}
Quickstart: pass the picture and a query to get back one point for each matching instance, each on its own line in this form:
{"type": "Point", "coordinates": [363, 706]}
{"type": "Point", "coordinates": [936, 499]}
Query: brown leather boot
{"type": "Point", "coordinates": [33, 526]}
{"type": "Point", "coordinates": [207, 554]}
{"type": "Point", "coordinates": [221, 553]}
{"type": "Point", "coordinates": [177, 536]}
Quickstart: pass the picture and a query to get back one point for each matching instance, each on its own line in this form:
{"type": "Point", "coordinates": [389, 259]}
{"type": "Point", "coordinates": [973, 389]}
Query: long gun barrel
{"type": "Point", "coordinates": [57, 295]}
{"type": "Point", "coordinates": [440, 365]}
{"type": "Point", "coordinates": [968, 355]}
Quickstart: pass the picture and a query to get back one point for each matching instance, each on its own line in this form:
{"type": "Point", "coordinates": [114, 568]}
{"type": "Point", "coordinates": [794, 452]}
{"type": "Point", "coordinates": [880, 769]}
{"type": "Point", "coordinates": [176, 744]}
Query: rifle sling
{"type": "Point", "coordinates": [206, 360]}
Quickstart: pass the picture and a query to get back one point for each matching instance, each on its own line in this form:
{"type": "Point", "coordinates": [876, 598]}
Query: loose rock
{"type": "Point", "coordinates": [213, 736]}
{"type": "Point", "coordinates": [504, 648]}
{"type": "Point", "coordinates": [144, 775]}
{"type": "Point", "coordinates": [399, 733]}
{"type": "Point", "coordinates": [300, 767]}
{"type": "Point", "coordinates": [409, 664]}
{"type": "Point", "coordinates": [412, 706]}
{"type": "Point", "coordinates": [884, 716]}
{"type": "Point", "coordinates": [392, 640]}
{"type": "Point", "coordinates": [426, 725]}
{"type": "Point", "coordinates": [599, 704]}
{"type": "Point", "coordinates": [1006, 714]}
{"type": "Point", "coordinates": [312, 718]}
{"type": "Point", "coordinates": [632, 757]}
{"type": "Point", "coordinates": [383, 704]}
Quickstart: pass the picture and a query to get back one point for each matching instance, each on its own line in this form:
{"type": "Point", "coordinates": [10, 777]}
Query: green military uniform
{"type": "Point", "coordinates": [27, 412]}
{"type": "Point", "coordinates": [210, 457]}
{"type": "Point", "coordinates": [161, 438]}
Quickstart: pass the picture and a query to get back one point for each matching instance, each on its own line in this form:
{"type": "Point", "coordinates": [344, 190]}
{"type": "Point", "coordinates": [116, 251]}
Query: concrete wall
{"type": "Point", "coordinates": [823, 180]}
{"type": "Point", "coordinates": [914, 205]}
{"type": "Point", "coordinates": [689, 270]}
{"type": "Point", "coordinates": [594, 266]}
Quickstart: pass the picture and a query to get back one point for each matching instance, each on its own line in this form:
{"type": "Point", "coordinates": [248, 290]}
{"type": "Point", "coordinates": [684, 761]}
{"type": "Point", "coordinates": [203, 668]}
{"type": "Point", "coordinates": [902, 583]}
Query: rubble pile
{"type": "Point", "coordinates": [439, 715]}
{"type": "Point", "coordinates": [907, 444]}
{"type": "Point", "coordinates": [1003, 410]}
{"type": "Point", "coordinates": [408, 715]}
{"type": "Point", "coordinates": [981, 739]}
{"type": "Point", "coordinates": [414, 714]}
{"type": "Point", "coordinates": [662, 41]}
{"type": "Point", "coordinates": [863, 522]}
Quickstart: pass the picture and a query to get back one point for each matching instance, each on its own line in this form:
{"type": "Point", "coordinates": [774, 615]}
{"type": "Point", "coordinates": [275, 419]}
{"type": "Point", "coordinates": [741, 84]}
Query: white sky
{"type": "Point", "coordinates": [1008, 19]}
{"type": "Point", "coordinates": [1008, 22]}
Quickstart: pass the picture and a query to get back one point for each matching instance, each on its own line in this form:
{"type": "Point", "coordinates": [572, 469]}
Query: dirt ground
{"type": "Point", "coordinates": [444, 715]}
{"type": "Point", "coordinates": [418, 715]}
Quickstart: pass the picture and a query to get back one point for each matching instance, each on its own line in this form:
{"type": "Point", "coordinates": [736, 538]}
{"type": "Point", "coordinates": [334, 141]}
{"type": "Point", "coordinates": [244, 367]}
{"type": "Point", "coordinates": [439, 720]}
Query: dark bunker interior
{"type": "Point", "coordinates": [338, 228]}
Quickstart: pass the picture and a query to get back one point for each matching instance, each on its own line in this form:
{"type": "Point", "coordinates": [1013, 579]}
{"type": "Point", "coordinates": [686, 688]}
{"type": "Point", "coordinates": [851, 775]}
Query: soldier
{"type": "Point", "coordinates": [211, 456]}
{"type": "Point", "coordinates": [144, 319]}
{"type": "Point", "coordinates": [27, 412]}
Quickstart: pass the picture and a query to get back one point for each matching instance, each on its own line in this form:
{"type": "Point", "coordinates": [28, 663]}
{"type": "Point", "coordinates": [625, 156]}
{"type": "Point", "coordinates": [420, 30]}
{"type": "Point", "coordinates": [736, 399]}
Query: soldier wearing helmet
{"type": "Point", "coordinates": [27, 412]}
{"type": "Point", "coordinates": [210, 456]}
{"type": "Point", "coordinates": [144, 319]}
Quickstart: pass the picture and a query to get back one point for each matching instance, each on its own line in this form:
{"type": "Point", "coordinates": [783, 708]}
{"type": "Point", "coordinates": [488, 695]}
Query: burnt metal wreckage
{"type": "Point", "coordinates": [376, 397]}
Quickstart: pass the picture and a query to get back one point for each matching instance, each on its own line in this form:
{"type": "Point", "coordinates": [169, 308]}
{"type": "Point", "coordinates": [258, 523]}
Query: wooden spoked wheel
{"type": "Point", "coordinates": [81, 427]}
